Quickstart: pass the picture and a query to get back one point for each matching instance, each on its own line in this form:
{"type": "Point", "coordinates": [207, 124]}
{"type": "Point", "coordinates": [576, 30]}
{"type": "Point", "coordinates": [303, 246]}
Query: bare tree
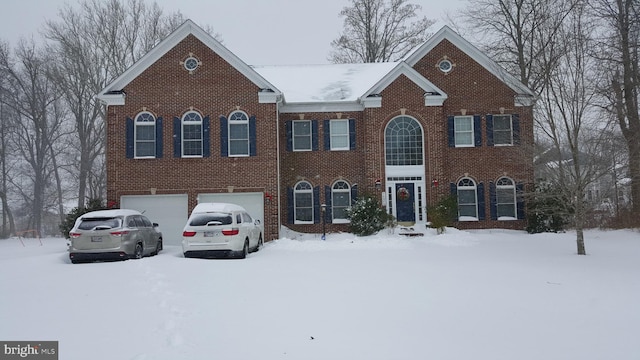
{"type": "Point", "coordinates": [8, 225]}
{"type": "Point", "coordinates": [379, 31]}
{"type": "Point", "coordinates": [620, 52]}
{"type": "Point", "coordinates": [93, 44]}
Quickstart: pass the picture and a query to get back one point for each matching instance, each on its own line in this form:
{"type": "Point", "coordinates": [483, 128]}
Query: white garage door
{"type": "Point", "coordinates": [169, 211]}
{"type": "Point", "coordinates": [251, 201]}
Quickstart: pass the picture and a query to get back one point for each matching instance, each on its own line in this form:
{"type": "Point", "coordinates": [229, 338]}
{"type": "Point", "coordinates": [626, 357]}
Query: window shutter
{"type": "Point", "coordinates": [224, 137]}
{"type": "Point", "coordinates": [252, 136]}
{"type": "Point", "coordinates": [290, 209]}
{"type": "Point", "coordinates": [477, 130]}
{"type": "Point", "coordinates": [520, 201]}
{"type": "Point", "coordinates": [326, 129]}
{"type": "Point", "coordinates": [289, 130]}
{"type": "Point", "coordinates": [354, 194]}
{"type": "Point", "coordinates": [327, 200]}
{"type": "Point", "coordinates": [314, 135]}
{"type": "Point", "coordinates": [352, 134]}
{"type": "Point", "coordinates": [206, 137]}
{"type": "Point", "coordinates": [492, 201]}
{"type": "Point", "coordinates": [515, 122]}
{"type": "Point", "coordinates": [159, 140]}
{"type": "Point", "coordinates": [480, 193]}
{"type": "Point", "coordinates": [451, 131]}
{"type": "Point", "coordinates": [316, 205]}
{"type": "Point", "coordinates": [129, 138]}
{"type": "Point", "coordinates": [177, 137]}
{"type": "Point", "coordinates": [489, 130]}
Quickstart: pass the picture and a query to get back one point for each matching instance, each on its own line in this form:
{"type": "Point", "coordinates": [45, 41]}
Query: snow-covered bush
{"type": "Point", "coordinates": [70, 219]}
{"type": "Point", "coordinates": [443, 214]}
{"type": "Point", "coordinates": [367, 216]}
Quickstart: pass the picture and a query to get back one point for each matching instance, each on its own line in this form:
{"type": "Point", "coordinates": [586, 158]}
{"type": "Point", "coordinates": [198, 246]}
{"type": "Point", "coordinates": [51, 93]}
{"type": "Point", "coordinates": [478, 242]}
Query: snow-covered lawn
{"type": "Point", "coordinates": [462, 295]}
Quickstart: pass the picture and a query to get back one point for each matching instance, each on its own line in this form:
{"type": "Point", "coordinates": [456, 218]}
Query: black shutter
{"type": "Point", "coordinates": [515, 122]}
{"type": "Point", "coordinates": [159, 140]}
{"type": "Point", "coordinates": [206, 137]}
{"type": "Point", "coordinates": [316, 205]}
{"type": "Point", "coordinates": [477, 130]}
{"type": "Point", "coordinates": [352, 134]}
{"type": "Point", "coordinates": [492, 201]}
{"type": "Point", "coordinates": [314, 135]}
{"type": "Point", "coordinates": [290, 209]}
{"type": "Point", "coordinates": [289, 131]}
{"type": "Point", "coordinates": [327, 201]}
{"type": "Point", "coordinates": [520, 201]}
{"type": "Point", "coordinates": [129, 138]}
{"type": "Point", "coordinates": [489, 130]}
{"type": "Point", "coordinates": [326, 129]}
{"type": "Point", "coordinates": [481, 203]}
{"type": "Point", "coordinates": [177, 137]}
{"type": "Point", "coordinates": [451, 131]}
{"type": "Point", "coordinates": [252, 136]}
{"type": "Point", "coordinates": [224, 136]}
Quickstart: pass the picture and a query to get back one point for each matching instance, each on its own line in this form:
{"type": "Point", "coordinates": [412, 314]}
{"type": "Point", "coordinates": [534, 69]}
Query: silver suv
{"type": "Point", "coordinates": [112, 235]}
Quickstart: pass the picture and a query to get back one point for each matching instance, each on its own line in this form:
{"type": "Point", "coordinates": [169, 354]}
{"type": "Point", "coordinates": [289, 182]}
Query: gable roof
{"type": "Point", "coordinates": [114, 89]}
{"type": "Point", "coordinates": [447, 33]}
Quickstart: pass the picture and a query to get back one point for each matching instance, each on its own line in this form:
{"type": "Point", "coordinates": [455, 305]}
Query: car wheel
{"type": "Point", "coordinates": [245, 249]}
{"type": "Point", "coordinates": [260, 243]}
{"type": "Point", "coordinates": [158, 247]}
{"type": "Point", "coordinates": [138, 252]}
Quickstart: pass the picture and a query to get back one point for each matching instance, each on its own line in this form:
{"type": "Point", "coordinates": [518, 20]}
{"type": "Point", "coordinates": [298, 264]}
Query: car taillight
{"type": "Point", "coordinates": [119, 233]}
{"type": "Point", "coordinates": [188, 233]}
{"type": "Point", "coordinates": [74, 235]}
{"type": "Point", "coordinates": [228, 232]}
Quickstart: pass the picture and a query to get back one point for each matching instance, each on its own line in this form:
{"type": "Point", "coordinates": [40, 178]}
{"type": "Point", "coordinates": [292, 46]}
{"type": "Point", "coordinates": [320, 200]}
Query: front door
{"type": "Point", "coordinates": [405, 203]}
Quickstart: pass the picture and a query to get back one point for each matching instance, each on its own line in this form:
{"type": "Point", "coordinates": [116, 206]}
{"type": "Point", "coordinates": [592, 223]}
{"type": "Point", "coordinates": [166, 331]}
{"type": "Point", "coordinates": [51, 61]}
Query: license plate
{"type": "Point", "coordinates": [96, 239]}
{"type": "Point", "coordinates": [211, 233]}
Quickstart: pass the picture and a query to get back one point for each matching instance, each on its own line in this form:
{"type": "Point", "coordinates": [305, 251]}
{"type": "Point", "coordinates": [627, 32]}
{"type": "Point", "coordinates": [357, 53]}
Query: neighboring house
{"type": "Point", "coordinates": [191, 122]}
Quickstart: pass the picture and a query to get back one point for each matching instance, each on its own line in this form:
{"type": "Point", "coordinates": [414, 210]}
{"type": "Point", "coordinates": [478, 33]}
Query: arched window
{"type": "Point", "coordinates": [192, 134]}
{"type": "Point", "coordinates": [303, 203]}
{"type": "Point", "coordinates": [238, 134]}
{"type": "Point", "coordinates": [145, 135]}
{"type": "Point", "coordinates": [506, 198]}
{"type": "Point", "coordinates": [403, 142]}
{"type": "Point", "coordinates": [340, 201]}
{"type": "Point", "coordinates": [467, 199]}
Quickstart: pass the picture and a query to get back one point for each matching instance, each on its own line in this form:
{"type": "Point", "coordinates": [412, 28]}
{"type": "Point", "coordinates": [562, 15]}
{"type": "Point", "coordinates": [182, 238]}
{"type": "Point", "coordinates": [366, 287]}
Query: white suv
{"type": "Point", "coordinates": [221, 229]}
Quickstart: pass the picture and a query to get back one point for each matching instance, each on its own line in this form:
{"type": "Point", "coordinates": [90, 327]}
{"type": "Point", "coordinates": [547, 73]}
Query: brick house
{"type": "Point", "coordinates": [191, 122]}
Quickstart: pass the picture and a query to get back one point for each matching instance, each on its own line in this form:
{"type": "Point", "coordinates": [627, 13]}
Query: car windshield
{"type": "Point", "coordinates": [211, 219]}
{"type": "Point", "coordinates": [99, 223]}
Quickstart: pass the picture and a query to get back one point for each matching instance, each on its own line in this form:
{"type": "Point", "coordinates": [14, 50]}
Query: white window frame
{"type": "Point", "coordinates": [139, 122]}
{"type": "Point", "coordinates": [340, 187]}
{"type": "Point", "coordinates": [310, 135]}
{"type": "Point", "coordinates": [333, 135]}
{"type": "Point", "coordinates": [302, 188]}
{"type": "Point", "coordinates": [456, 131]}
{"type": "Point", "coordinates": [186, 121]}
{"type": "Point", "coordinates": [466, 187]}
{"type": "Point", "coordinates": [238, 118]}
{"type": "Point", "coordinates": [495, 117]}
{"type": "Point", "coordinates": [504, 187]}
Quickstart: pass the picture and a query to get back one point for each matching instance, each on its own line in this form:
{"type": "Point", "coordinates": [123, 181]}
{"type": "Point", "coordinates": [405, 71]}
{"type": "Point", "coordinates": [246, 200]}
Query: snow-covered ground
{"type": "Point", "coordinates": [462, 295]}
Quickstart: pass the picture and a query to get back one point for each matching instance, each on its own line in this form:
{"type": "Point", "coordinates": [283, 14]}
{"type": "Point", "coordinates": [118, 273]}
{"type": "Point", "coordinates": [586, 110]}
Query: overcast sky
{"type": "Point", "coordinates": [260, 32]}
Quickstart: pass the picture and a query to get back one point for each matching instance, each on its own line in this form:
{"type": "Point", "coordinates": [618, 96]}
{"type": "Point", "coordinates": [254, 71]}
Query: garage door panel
{"type": "Point", "coordinates": [169, 211]}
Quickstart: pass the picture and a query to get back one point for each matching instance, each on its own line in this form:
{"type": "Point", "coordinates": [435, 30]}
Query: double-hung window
{"type": "Point", "coordinates": [192, 135]}
{"type": "Point", "coordinates": [302, 133]}
{"type": "Point", "coordinates": [145, 135]}
{"type": "Point", "coordinates": [238, 134]}
{"type": "Point", "coordinates": [340, 201]}
{"type": "Point", "coordinates": [303, 203]}
{"type": "Point", "coordinates": [502, 130]}
{"type": "Point", "coordinates": [463, 131]}
{"type": "Point", "coordinates": [506, 199]}
{"type": "Point", "coordinates": [339, 134]}
{"type": "Point", "coordinates": [467, 200]}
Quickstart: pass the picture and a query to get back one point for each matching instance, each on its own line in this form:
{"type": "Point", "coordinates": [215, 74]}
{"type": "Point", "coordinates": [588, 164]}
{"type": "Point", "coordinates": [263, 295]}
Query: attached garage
{"type": "Point", "coordinates": [169, 211]}
{"type": "Point", "coordinates": [252, 202]}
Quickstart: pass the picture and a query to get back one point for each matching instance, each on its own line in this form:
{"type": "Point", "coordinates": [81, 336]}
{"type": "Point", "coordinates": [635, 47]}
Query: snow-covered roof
{"type": "Point", "coordinates": [110, 213]}
{"type": "Point", "coordinates": [216, 207]}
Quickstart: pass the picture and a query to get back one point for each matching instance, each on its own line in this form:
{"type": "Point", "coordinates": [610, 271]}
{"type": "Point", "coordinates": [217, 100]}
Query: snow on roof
{"type": "Point", "coordinates": [324, 83]}
{"type": "Point", "coordinates": [216, 207]}
{"type": "Point", "coordinates": [111, 213]}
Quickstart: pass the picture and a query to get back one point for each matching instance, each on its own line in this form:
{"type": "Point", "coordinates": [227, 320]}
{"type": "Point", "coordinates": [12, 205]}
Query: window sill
{"type": "Point", "coordinates": [191, 156]}
{"type": "Point", "coordinates": [464, 146]}
{"type": "Point", "coordinates": [144, 157]}
{"type": "Point", "coordinates": [298, 222]}
{"type": "Point", "coordinates": [341, 221]}
{"type": "Point", "coordinates": [468, 218]}
{"type": "Point", "coordinates": [507, 218]}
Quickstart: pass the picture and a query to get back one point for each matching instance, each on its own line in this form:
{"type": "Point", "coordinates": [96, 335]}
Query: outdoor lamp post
{"type": "Point", "coordinates": [323, 207]}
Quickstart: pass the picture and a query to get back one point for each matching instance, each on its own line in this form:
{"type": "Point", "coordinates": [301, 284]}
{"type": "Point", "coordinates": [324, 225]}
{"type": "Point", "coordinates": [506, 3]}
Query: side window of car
{"type": "Point", "coordinates": [238, 219]}
{"type": "Point", "coordinates": [139, 221]}
{"type": "Point", "coordinates": [131, 222]}
{"type": "Point", "coordinates": [247, 218]}
{"type": "Point", "coordinates": [147, 222]}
